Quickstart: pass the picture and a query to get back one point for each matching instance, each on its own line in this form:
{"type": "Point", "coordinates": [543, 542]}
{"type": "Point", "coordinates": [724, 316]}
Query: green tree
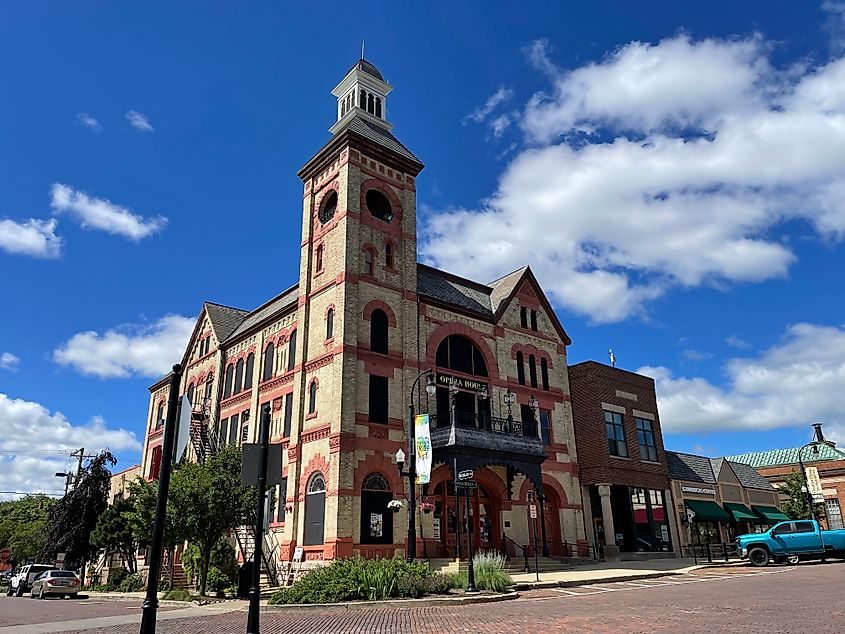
{"type": "Point", "coordinates": [114, 531]}
{"type": "Point", "coordinates": [209, 499]}
{"type": "Point", "coordinates": [145, 495]}
{"type": "Point", "coordinates": [73, 518]}
{"type": "Point", "coordinates": [23, 525]}
{"type": "Point", "coordinates": [796, 505]}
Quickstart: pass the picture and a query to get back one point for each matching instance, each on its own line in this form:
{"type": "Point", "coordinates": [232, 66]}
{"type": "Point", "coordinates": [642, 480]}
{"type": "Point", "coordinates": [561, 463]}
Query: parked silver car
{"type": "Point", "coordinates": [63, 583]}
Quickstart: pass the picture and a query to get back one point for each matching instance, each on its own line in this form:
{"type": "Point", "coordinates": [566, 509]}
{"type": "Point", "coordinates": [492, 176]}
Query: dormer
{"type": "Point", "coordinates": [362, 92]}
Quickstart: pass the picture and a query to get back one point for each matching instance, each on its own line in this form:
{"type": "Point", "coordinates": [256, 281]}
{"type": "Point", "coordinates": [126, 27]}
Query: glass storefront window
{"type": "Point", "coordinates": [651, 526]}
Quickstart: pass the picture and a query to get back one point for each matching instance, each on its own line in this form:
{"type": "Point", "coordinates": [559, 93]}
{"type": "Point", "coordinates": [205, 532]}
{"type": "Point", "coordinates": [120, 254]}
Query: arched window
{"type": "Point", "coordinates": [330, 323]}
{"type": "Point", "coordinates": [379, 205]}
{"type": "Point", "coordinates": [315, 510]}
{"type": "Point", "coordinates": [378, 107]}
{"type": "Point", "coordinates": [388, 255]}
{"type": "Point", "coordinates": [378, 331]}
{"type": "Point", "coordinates": [460, 354]}
{"type": "Point", "coordinates": [363, 104]}
{"type": "Point", "coordinates": [155, 462]}
{"type": "Point", "coordinates": [367, 264]}
{"type": "Point", "coordinates": [370, 103]}
{"type": "Point", "coordinates": [532, 370]}
{"type": "Point", "coordinates": [267, 371]}
{"type": "Point", "coordinates": [520, 368]}
{"type": "Point", "coordinates": [544, 373]}
{"type": "Point", "coordinates": [318, 259]}
{"type": "Point", "coordinates": [239, 376]}
{"type": "Point", "coordinates": [292, 351]}
{"type": "Point", "coordinates": [376, 518]}
{"type": "Point", "coordinates": [160, 416]}
{"type": "Point", "coordinates": [312, 397]}
{"type": "Point", "coordinates": [191, 390]}
{"type": "Point", "coordinates": [328, 207]}
{"type": "Point", "coordinates": [249, 370]}
{"type": "Point", "coordinates": [230, 375]}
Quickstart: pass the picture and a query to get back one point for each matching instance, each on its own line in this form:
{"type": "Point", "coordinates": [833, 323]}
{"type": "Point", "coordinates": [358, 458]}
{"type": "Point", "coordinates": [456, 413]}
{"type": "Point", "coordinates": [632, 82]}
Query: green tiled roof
{"type": "Point", "coordinates": [777, 457]}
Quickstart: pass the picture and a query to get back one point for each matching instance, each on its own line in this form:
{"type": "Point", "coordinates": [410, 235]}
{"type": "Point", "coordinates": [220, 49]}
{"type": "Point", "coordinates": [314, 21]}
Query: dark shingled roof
{"type": "Point", "coordinates": [749, 477]}
{"type": "Point", "coordinates": [367, 67]}
{"type": "Point", "coordinates": [224, 319]}
{"type": "Point", "coordinates": [685, 466]}
{"type": "Point", "coordinates": [377, 134]}
{"type": "Point", "coordinates": [275, 305]}
{"type": "Point", "coordinates": [454, 290]}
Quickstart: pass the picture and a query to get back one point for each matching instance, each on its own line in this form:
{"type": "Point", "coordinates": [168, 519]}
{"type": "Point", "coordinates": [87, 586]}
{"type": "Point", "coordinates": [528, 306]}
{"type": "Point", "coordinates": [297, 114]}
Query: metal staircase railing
{"type": "Point", "coordinates": [245, 536]}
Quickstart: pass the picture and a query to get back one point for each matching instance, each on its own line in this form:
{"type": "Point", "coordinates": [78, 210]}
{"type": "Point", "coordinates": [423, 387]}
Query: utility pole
{"type": "Point", "coordinates": [80, 454]}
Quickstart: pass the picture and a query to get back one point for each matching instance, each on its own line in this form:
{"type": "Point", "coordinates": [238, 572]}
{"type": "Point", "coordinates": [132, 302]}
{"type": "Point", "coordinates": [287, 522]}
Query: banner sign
{"type": "Point", "coordinates": [422, 440]}
{"type": "Point", "coordinates": [699, 490]}
{"type": "Point", "coordinates": [814, 481]}
{"type": "Point", "coordinates": [445, 380]}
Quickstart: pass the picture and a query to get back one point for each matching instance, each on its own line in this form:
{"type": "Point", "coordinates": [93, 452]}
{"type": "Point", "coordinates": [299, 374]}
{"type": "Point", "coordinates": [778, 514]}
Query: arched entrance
{"type": "Point", "coordinates": [556, 540]}
{"type": "Point", "coordinates": [315, 510]}
{"type": "Point", "coordinates": [376, 518]}
{"type": "Point", "coordinates": [485, 514]}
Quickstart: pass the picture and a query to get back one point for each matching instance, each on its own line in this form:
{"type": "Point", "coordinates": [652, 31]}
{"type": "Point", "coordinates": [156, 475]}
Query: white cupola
{"type": "Point", "coordinates": [362, 92]}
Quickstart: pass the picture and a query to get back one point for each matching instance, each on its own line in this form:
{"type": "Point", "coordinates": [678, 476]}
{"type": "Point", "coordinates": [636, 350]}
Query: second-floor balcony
{"type": "Point", "coordinates": [464, 432]}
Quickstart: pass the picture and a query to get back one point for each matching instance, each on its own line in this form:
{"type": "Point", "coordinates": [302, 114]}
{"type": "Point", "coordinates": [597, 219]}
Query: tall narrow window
{"type": "Point", "coordinates": [245, 427]}
{"type": "Point", "coordinates": [209, 381]}
{"type": "Point", "coordinates": [378, 107]}
{"type": "Point", "coordinates": [239, 376]}
{"type": "Point", "coordinates": [529, 421]}
{"type": "Point", "coordinates": [544, 373]}
{"type": "Point", "coordinates": [363, 102]}
{"type": "Point", "coordinates": [616, 443]}
{"type": "Point", "coordinates": [288, 414]}
{"type": "Point", "coordinates": [378, 399]}
{"type": "Point", "coordinates": [388, 255]}
{"type": "Point", "coordinates": [283, 499]}
{"type": "Point", "coordinates": [319, 258]}
{"type": "Point", "coordinates": [312, 397]}
{"type": "Point", "coordinates": [249, 370]}
{"type": "Point", "coordinates": [234, 426]}
{"type": "Point", "coordinates": [378, 331]}
{"type": "Point", "coordinates": [546, 427]}
{"type": "Point", "coordinates": [292, 351]}
{"type": "Point", "coordinates": [523, 316]}
{"type": "Point", "coordinates": [191, 390]}
{"type": "Point", "coordinates": [371, 103]}
{"type": "Point", "coordinates": [230, 375]}
{"type": "Point", "coordinates": [222, 432]}
{"type": "Point", "coordinates": [330, 323]}
{"type": "Point", "coordinates": [367, 263]}
{"type": "Point", "coordinates": [534, 320]}
{"type": "Point", "coordinates": [532, 370]}
{"type": "Point", "coordinates": [645, 436]}
{"type": "Point", "coordinates": [520, 368]}
{"type": "Point", "coordinates": [315, 510]}
{"type": "Point", "coordinates": [267, 371]}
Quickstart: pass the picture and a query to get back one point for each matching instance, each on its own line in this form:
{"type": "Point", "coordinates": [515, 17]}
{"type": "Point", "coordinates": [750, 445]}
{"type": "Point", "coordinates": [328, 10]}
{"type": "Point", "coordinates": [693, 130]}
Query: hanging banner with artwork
{"type": "Point", "coordinates": [422, 440]}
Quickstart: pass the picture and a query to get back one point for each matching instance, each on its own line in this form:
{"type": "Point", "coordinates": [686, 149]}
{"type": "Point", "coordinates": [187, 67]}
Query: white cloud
{"type": "Point", "coordinates": [29, 430]}
{"type": "Point", "coordinates": [85, 119]}
{"type": "Point", "coordinates": [479, 114]}
{"type": "Point", "coordinates": [794, 383]}
{"type": "Point", "coordinates": [737, 342]}
{"type": "Point", "coordinates": [9, 361]}
{"type": "Point", "coordinates": [129, 350]}
{"type": "Point", "coordinates": [663, 165]}
{"type": "Point", "coordinates": [139, 121]}
{"type": "Point", "coordinates": [99, 213]}
{"type": "Point", "coordinates": [696, 355]}
{"type": "Point", "coordinates": [32, 237]}
{"type": "Point", "coordinates": [835, 24]}
{"type": "Point", "coordinates": [538, 54]}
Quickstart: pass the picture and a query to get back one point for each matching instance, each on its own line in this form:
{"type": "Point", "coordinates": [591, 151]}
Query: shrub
{"type": "Point", "coordinates": [223, 558]}
{"type": "Point", "coordinates": [217, 580]}
{"type": "Point", "coordinates": [131, 583]}
{"type": "Point", "coordinates": [411, 587]}
{"type": "Point", "coordinates": [164, 585]}
{"type": "Point", "coordinates": [116, 577]}
{"type": "Point", "coordinates": [179, 594]}
{"type": "Point", "coordinates": [356, 579]}
{"type": "Point", "coordinates": [439, 584]}
{"type": "Point", "coordinates": [490, 573]}
{"type": "Point", "coordinates": [192, 563]}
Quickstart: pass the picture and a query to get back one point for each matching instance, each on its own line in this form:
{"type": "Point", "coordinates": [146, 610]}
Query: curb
{"type": "Point", "coordinates": [117, 598]}
{"type": "Point", "coordinates": [534, 585]}
{"type": "Point", "coordinates": [354, 606]}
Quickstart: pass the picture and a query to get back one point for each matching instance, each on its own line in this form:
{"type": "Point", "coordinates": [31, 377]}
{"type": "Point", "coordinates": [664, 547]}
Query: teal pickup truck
{"type": "Point", "coordinates": [791, 541]}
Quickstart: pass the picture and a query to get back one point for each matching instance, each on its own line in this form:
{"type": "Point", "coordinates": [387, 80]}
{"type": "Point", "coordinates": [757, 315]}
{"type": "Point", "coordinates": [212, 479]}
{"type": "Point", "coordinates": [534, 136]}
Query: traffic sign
{"type": "Point", "coordinates": [183, 429]}
{"type": "Point", "coordinates": [466, 484]}
{"type": "Point", "coordinates": [465, 475]}
{"type": "Point", "coordinates": [5, 555]}
{"type": "Point", "coordinates": [532, 508]}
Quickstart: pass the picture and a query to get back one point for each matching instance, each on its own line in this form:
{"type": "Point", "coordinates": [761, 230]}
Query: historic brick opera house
{"type": "Point", "coordinates": [336, 355]}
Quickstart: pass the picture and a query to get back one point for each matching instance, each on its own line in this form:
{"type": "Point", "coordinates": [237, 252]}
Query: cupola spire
{"type": "Point", "coordinates": [363, 93]}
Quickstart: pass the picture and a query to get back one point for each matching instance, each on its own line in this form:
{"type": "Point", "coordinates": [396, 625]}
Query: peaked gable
{"type": "Point", "coordinates": [522, 281]}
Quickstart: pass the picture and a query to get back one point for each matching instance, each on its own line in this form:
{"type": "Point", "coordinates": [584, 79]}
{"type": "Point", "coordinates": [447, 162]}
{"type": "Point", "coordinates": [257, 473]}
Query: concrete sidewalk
{"type": "Point", "coordinates": [603, 572]}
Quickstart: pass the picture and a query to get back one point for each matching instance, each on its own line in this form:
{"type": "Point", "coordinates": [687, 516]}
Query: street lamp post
{"type": "Point", "coordinates": [818, 439]}
{"type": "Point", "coordinates": [430, 388]}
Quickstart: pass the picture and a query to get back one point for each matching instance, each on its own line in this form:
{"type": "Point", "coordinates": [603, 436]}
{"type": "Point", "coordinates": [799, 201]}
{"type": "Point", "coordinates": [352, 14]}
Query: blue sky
{"type": "Point", "coordinates": [671, 171]}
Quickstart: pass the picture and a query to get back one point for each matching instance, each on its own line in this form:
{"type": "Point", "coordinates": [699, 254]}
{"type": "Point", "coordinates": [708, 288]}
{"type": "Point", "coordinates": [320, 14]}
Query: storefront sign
{"type": "Point", "coordinates": [814, 482]}
{"type": "Point", "coordinates": [445, 380]}
{"type": "Point", "coordinates": [699, 490]}
{"type": "Point", "coordinates": [422, 439]}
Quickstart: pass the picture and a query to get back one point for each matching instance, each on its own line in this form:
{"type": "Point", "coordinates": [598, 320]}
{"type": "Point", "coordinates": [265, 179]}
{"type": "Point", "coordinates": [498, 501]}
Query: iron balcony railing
{"type": "Point", "coordinates": [483, 421]}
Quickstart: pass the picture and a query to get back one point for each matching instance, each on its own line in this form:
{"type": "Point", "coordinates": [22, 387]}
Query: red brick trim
{"type": "Point", "coordinates": [319, 464]}
{"type": "Point", "coordinates": [378, 462]}
{"type": "Point", "coordinates": [454, 328]}
{"type": "Point", "coordinates": [377, 303]}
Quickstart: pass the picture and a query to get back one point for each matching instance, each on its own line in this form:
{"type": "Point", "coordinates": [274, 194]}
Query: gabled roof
{"type": "Point", "coordinates": [224, 319]}
{"type": "Point", "coordinates": [749, 477]}
{"type": "Point", "coordinates": [686, 466]}
{"type": "Point", "coordinates": [276, 305]}
{"type": "Point", "coordinates": [454, 290]}
{"type": "Point", "coordinates": [505, 286]}
{"type": "Point", "coordinates": [783, 457]}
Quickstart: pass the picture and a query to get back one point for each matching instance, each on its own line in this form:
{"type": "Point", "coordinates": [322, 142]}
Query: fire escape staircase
{"type": "Point", "coordinates": [203, 435]}
{"type": "Point", "coordinates": [245, 536]}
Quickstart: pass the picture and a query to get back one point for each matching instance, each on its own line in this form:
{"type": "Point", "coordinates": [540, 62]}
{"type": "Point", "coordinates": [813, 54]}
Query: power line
{"type": "Point", "coordinates": [58, 495]}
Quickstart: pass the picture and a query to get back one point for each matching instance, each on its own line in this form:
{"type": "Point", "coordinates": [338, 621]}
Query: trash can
{"type": "Point", "coordinates": [244, 580]}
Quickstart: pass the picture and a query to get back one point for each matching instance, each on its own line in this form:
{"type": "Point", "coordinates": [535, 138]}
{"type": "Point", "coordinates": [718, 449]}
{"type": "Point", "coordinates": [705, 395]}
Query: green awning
{"type": "Point", "coordinates": [707, 511]}
{"type": "Point", "coordinates": [741, 512]}
{"type": "Point", "coordinates": [769, 514]}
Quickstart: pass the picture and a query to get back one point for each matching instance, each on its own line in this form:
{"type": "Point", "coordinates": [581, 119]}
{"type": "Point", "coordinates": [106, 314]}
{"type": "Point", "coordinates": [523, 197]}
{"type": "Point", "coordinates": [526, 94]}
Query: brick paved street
{"type": "Point", "coordinates": [779, 600]}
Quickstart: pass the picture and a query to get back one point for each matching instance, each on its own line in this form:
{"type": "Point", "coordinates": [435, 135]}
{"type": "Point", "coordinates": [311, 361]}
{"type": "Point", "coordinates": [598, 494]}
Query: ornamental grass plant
{"type": "Point", "coordinates": [490, 573]}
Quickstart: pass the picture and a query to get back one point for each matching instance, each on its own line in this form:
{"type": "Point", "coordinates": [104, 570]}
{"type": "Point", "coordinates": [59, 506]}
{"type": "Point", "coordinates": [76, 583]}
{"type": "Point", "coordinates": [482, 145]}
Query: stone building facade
{"type": "Point", "coordinates": [624, 478]}
{"type": "Point", "coordinates": [336, 355]}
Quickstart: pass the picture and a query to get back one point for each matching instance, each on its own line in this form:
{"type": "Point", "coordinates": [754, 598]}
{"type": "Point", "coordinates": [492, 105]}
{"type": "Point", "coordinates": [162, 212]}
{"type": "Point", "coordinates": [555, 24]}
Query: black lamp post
{"type": "Point", "coordinates": [430, 388]}
{"type": "Point", "coordinates": [818, 439]}
{"type": "Point", "coordinates": [509, 399]}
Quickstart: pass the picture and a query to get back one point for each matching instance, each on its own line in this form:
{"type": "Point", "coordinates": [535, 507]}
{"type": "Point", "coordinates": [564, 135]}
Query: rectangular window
{"type": "Point", "coordinates": [645, 435]}
{"type": "Point", "coordinates": [292, 351]}
{"type": "Point", "coordinates": [834, 514]}
{"type": "Point", "coordinates": [529, 422]}
{"type": "Point", "coordinates": [378, 399]}
{"type": "Point", "coordinates": [616, 443]}
{"type": "Point", "coordinates": [288, 414]}
{"type": "Point", "coordinates": [534, 320]}
{"type": "Point", "coordinates": [523, 317]}
{"type": "Point", "coordinates": [283, 492]}
{"type": "Point", "coordinates": [233, 429]}
{"type": "Point", "coordinates": [546, 427]}
{"type": "Point", "coordinates": [804, 527]}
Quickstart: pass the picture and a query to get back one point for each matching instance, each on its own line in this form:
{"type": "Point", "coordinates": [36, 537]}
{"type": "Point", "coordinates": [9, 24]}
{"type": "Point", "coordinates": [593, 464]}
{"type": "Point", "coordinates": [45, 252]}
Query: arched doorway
{"type": "Point", "coordinates": [463, 366]}
{"type": "Point", "coordinates": [484, 514]}
{"type": "Point", "coordinates": [556, 540]}
{"type": "Point", "coordinates": [315, 510]}
{"type": "Point", "coordinates": [376, 518]}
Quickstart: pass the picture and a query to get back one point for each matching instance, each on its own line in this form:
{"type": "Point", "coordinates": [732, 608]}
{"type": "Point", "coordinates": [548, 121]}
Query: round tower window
{"type": "Point", "coordinates": [379, 205]}
{"type": "Point", "coordinates": [328, 208]}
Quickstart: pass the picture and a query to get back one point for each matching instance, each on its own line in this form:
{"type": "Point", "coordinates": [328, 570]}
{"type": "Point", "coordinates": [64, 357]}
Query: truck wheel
{"type": "Point", "coordinates": [792, 560]}
{"type": "Point", "coordinates": [9, 590]}
{"type": "Point", "coordinates": [759, 557]}
{"type": "Point", "coordinates": [19, 591]}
